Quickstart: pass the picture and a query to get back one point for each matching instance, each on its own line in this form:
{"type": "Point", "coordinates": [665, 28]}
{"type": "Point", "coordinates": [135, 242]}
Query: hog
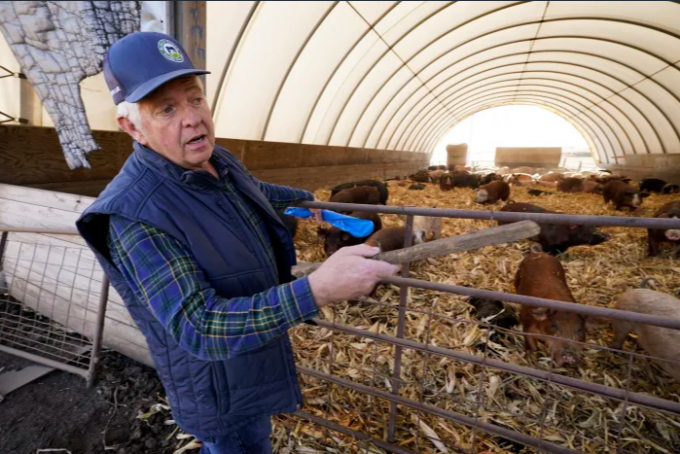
{"type": "Point", "coordinates": [663, 343]}
{"type": "Point", "coordinates": [489, 177]}
{"type": "Point", "coordinates": [365, 195]}
{"type": "Point", "coordinates": [652, 185]}
{"type": "Point", "coordinates": [570, 185]}
{"type": "Point", "coordinates": [420, 176]}
{"type": "Point", "coordinates": [592, 187]}
{"type": "Point", "coordinates": [435, 175]}
{"type": "Point", "coordinates": [623, 195]}
{"type": "Point", "coordinates": [504, 170]}
{"type": "Point", "coordinates": [655, 237]}
{"type": "Point", "coordinates": [423, 226]}
{"type": "Point", "coordinates": [518, 179]}
{"type": "Point", "coordinates": [523, 169]}
{"type": "Point", "coordinates": [551, 177]}
{"type": "Point", "coordinates": [433, 168]}
{"type": "Point", "coordinates": [290, 222]}
{"type": "Point", "coordinates": [503, 317]}
{"type": "Point", "coordinates": [446, 183]}
{"type": "Point", "coordinates": [442, 167]}
{"type": "Point", "coordinates": [379, 185]}
{"type": "Point", "coordinates": [465, 180]}
{"type": "Point", "coordinates": [416, 187]}
{"type": "Point", "coordinates": [388, 239]}
{"type": "Point", "coordinates": [542, 276]}
{"type": "Point", "coordinates": [492, 192]}
{"type": "Point", "coordinates": [335, 239]}
{"type": "Point", "coordinates": [557, 238]}
{"type": "Point", "coordinates": [671, 189]}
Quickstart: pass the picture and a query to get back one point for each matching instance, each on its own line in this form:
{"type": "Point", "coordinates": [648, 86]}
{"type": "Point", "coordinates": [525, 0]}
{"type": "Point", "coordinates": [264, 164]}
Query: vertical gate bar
{"type": "Point", "coordinates": [98, 330]}
{"type": "Point", "coordinates": [403, 297]}
{"type": "Point", "coordinates": [482, 379]}
{"type": "Point", "coordinates": [624, 407]}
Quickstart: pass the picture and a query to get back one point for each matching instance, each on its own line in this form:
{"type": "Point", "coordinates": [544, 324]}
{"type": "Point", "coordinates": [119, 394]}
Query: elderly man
{"type": "Point", "coordinates": [191, 241]}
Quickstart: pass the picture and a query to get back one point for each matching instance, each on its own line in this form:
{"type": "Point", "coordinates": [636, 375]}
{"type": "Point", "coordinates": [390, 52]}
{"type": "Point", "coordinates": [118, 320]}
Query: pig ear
{"type": "Point", "coordinates": [540, 313]}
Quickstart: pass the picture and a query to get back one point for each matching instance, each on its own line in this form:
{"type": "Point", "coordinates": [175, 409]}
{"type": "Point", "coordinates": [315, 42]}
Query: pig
{"type": "Point", "coordinates": [465, 181]}
{"type": "Point", "coordinates": [551, 177]}
{"type": "Point", "coordinates": [518, 179]}
{"type": "Point", "coordinates": [423, 226]}
{"type": "Point", "coordinates": [489, 177]}
{"type": "Point", "coordinates": [557, 238]}
{"type": "Point", "coordinates": [335, 239]}
{"type": "Point", "coordinates": [396, 183]}
{"type": "Point", "coordinates": [420, 176]}
{"type": "Point", "coordinates": [503, 316]}
{"type": "Point", "coordinates": [363, 194]}
{"type": "Point", "coordinates": [504, 170]}
{"type": "Point", "coordinates": [661, 343]}
{"type": "Point", "coordinates": [442, 167]}
{"type": "Point", "coordinates": [523, 169]}
{"type": "Point", "coordinates": [382, 188]}
{"type": "Point", "coordinates": [388, 239]}
{"type": "Point", "coordinates": [623, 195]}
{"type": "Point", "coordinates": [433, 168]}
{"type": "Point", "coordinates": [446, 183]}
{"type": "Point", "coordinates": [541, 275]}
{"type": "Point", "coordinates": [655, 237]}
{"type": "Point", "coordinates": [492, 192]}
{"type": "Point", "coordinates": [570, 185]}
{"type": "Point", "coordinates": [435, 175]}
{"type": "Point", "coordinates": [290, 222]}
{"type": "Point", "coordinates": [416, 187]}
{"type": "Point", "coordinates": [652, 185]}
{"type": "Point", "coordinates": [671, 189]}
{"type": "Point", "coordinates": [592, 187]}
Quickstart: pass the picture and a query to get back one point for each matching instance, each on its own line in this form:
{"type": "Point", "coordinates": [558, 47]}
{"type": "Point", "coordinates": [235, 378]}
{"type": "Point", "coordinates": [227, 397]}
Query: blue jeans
{"type": "Point", "coordinates": [253, 438]}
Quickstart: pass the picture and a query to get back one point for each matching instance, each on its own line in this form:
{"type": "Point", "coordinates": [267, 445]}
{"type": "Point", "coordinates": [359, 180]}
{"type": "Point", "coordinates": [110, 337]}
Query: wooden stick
{"type": "Point", "coordinates": [470, 241]}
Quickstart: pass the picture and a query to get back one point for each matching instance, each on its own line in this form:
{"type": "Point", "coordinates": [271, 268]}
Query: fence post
{"type": "Point", "coordinates": [98, 331]}
{"type": "Point", "coordinates": [403, 297]}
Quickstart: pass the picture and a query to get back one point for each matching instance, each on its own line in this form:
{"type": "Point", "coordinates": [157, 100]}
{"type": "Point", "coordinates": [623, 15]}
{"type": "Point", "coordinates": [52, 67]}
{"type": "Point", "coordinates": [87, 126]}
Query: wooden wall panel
{"type": "Point", "coordinates": [31, 156]}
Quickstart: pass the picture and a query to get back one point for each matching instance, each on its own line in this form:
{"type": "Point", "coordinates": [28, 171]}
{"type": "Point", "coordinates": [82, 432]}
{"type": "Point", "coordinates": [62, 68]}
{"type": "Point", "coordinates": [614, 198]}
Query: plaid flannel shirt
{"type": "Point", "coordinates": [162, 273]}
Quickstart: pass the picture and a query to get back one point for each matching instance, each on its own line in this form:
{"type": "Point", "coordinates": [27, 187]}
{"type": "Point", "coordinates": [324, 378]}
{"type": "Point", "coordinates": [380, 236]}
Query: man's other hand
{"type": "Point", "coordinates": [348, 274]}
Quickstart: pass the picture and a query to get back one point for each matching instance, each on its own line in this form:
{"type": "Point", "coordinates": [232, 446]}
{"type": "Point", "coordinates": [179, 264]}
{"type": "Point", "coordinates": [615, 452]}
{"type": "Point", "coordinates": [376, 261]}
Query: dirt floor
{"type": "Point", "coordinates": [58, 414]}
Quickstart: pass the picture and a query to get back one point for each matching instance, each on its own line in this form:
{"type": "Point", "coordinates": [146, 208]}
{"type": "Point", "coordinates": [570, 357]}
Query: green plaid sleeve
{"type": "Point", "coordinates": [164, 275]}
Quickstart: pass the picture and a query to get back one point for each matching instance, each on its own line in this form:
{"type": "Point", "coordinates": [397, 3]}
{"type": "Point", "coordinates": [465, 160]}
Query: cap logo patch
{"type": "Point", "coordinates": [169, 50]}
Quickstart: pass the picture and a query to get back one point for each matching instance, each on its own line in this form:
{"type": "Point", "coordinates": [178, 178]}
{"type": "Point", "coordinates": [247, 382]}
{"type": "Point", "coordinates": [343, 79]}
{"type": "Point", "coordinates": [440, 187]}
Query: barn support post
{"type": "Point", "coordinates": [189, 28]}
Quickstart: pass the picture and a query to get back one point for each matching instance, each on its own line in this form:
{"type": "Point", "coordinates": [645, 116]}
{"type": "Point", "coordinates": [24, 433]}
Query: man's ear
{"type": "Point", "coordinates": [127, 126]}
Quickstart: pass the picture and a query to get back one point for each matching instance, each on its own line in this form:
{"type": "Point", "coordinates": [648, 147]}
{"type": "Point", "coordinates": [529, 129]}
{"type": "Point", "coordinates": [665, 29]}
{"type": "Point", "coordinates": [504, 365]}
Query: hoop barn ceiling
{"type": "Point", "coordinates": [398, 75]}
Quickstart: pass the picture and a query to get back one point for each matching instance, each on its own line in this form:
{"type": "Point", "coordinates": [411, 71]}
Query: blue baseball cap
{"type": "Point", "coordinates": [141, 62]}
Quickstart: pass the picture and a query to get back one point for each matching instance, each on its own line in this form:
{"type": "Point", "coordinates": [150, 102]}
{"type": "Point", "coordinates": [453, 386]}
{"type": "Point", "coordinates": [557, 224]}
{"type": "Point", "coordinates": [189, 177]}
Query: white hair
{"type": "Point", "coordinates": [130, 110]}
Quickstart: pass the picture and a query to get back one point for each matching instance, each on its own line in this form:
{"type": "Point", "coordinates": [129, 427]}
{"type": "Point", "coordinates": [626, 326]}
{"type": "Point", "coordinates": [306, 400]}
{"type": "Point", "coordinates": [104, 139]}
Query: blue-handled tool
{"type": "Point", "coordinates": [358, 228]}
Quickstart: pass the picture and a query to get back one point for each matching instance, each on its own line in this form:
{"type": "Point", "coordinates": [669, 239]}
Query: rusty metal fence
{"type": "Point", "coordinates": [53, 298]}
{"type": "Point", "coordinates": [380, 386]}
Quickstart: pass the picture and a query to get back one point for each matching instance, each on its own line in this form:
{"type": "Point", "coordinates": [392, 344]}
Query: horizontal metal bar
{"type": "Point", "coordinates": [41, 360]}
{"type": "Point", "coordinates": [541, 218]}
{"type": "Point", "coordinates": [603, 390]}
{"type": "Point", "coordinates": [517, 437]}
{"type": "Point", "coordinates": [62, 231]}
{"type": "Point", "coordinates": [583, 309]}
{"type": "Point", "coordinates": [389, 447]}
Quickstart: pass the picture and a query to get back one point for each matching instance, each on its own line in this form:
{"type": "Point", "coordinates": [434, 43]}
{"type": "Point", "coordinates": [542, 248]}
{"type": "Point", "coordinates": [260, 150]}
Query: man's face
{"type": "Point", "coordinates": [176, 123]}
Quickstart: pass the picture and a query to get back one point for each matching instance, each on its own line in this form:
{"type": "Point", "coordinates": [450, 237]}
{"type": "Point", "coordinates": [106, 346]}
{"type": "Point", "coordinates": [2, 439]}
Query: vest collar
{"type": "Point", "coordinates": [197, 179]}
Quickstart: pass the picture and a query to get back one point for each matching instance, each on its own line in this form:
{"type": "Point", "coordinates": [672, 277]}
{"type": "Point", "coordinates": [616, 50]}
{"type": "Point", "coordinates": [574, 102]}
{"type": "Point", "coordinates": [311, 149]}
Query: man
{"type": "Point", "coordinates": [191, 241]}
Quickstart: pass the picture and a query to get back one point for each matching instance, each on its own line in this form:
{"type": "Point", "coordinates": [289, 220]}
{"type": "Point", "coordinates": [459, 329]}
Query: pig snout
{"type": "Point", "coordinates": [672, 235]}
{"type": "Point", "coordinates": [598, 238]}
{"type": "Point", "coordinates": [482, 196]}
{"type": "Point", "coordinates": [419, 236]}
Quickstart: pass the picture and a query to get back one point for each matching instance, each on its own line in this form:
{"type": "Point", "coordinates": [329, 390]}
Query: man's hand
{"type": "Point", "coordinates": [348, 274]}
{"type": "Point", "coordinates": [316, 212]}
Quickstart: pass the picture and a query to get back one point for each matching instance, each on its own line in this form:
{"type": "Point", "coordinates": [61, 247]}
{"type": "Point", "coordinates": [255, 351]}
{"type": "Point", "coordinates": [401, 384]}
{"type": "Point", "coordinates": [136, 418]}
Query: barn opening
{"type": "Point", "coordinates": [520, 126]}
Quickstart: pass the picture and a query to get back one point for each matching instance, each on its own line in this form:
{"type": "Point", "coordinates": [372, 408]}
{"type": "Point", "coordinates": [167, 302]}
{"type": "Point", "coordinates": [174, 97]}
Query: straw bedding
{"type": "Point", "coordinates": [597, 275]}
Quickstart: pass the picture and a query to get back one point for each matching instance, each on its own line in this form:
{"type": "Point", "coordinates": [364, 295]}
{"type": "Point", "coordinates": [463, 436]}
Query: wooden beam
{"type": "Point", "coordinates": [190, 30]}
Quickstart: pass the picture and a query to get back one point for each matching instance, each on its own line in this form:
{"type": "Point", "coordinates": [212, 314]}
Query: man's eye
{"type": "Point", "coordinates": [167, 110]}
{"type": "Point", "coordinates": [198, 100]}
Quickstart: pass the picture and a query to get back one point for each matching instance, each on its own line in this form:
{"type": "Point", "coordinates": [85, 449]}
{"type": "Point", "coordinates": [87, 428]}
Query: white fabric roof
{"type": "Point", "coordinates": [398, 75]}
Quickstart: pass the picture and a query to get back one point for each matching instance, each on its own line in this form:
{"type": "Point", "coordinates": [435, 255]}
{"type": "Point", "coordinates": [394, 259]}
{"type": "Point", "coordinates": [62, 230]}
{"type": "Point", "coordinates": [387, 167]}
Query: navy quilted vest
{"type": "Point", "coordinates": [208, 398]}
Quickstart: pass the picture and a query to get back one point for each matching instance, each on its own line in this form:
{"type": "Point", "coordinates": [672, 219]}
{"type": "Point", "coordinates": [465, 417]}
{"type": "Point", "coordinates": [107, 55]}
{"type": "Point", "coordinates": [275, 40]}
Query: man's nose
{"type": "Point", "coordinates": [189, 117]}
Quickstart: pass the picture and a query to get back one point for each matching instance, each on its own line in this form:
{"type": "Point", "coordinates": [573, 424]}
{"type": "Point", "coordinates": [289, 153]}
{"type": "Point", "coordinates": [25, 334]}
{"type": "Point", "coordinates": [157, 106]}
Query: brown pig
{"type": "Point", "coordinates": [388, 239]}
{"type": "Point", "coordinates": [335, 239]}
{"type": "Point", "coordinates": [570, 185]}
{"type": "Point", "coordinates": [423, 226]}
{"type": "Point", "coordinates": [592, 187]}
{"type": "Point", "coordinates": [363, 194]}
{"type": "Point", "coordinates": [662, 343]}
{"type": "Point", "coordinates": [492, 192]}
{"type": "Point", "coordinates": [623, 195]}
{"type": "Point", "coordinates": [655, 237]}
{"type": "Point", "coordinates": [542, 276]}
